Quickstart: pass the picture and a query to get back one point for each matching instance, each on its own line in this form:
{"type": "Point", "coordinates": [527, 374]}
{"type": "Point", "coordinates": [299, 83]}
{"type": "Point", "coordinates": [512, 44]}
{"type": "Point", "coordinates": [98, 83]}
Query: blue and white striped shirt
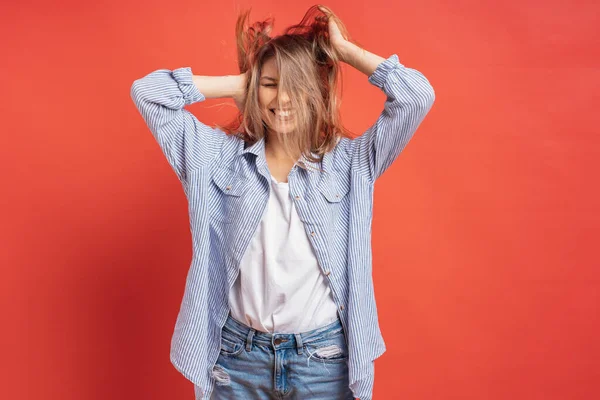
{"type": "Point", "coordinates": [227, 187]}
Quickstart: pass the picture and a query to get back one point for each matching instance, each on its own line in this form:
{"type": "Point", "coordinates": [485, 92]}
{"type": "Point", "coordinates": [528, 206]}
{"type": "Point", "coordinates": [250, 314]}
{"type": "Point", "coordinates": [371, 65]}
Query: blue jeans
{"type": "Point", "coordinates": [258, 365]}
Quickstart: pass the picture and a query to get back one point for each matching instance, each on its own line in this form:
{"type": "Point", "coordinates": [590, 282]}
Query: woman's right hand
{"type": "Point", "coordinates": [240, 96]}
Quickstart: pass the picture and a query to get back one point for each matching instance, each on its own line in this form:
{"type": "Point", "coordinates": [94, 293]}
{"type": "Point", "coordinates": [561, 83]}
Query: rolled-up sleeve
{"type": "Point", "coordinates": [186, 142]}
{"type": "Point", "coordinates": [410, 96]}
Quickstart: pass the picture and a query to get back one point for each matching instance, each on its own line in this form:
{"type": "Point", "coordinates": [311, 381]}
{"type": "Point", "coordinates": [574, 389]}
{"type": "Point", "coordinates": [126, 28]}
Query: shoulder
{"type": "Point", "coordinates": [339, 158]}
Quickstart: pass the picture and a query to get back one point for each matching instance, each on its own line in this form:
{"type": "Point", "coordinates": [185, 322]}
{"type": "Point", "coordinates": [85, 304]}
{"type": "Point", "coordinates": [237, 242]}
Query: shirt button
{"type": "Point", "coordinates": [297, 197]}
{"type": "Point", "coordinates": [327, 273]}
{"type": "Point", "coordinates": [313, 234]}
{"type": "Point", "coordinates": [342, 307]}
{"type": "Point", "coordinates": [228, 188]}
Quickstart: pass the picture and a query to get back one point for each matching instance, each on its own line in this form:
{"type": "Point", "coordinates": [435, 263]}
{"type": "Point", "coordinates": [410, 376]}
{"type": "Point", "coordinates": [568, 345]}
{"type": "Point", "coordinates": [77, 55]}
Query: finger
{"type": "Point", "coordinates": [323, 10]}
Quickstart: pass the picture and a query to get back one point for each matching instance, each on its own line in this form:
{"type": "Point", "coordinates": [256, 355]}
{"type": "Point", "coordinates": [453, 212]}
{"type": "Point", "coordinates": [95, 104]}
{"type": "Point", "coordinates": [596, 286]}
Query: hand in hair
{"type": "Point", "coordinates": [347, 51]}
{"type": "Point", "coordinates": [336, 38]}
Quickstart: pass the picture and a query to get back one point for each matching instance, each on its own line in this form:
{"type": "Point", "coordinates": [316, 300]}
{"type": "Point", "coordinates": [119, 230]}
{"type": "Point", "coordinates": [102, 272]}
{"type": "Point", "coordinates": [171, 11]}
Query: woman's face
{"type": "Point", "coordinates": [281, 120]}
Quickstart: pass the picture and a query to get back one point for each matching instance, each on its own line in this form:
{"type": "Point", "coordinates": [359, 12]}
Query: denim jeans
{"type": "Point", "coordinates": [258, 365]}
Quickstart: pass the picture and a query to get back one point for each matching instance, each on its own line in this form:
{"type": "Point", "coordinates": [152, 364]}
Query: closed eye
{"type": "Point", "coordinates": [269, 85]}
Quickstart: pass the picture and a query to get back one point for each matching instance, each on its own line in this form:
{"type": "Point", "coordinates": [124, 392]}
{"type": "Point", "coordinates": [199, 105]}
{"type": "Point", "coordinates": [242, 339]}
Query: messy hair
{"type": "Point", "coordinates": [309, 72]}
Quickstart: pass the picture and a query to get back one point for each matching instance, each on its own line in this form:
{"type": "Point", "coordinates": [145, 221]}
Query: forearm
{"type": "Point", "coordinates": [213, 87]}
{"type": "Point", "coordinates": [359, 58]}
{"type": "Point", "coordinates": [409, 97]}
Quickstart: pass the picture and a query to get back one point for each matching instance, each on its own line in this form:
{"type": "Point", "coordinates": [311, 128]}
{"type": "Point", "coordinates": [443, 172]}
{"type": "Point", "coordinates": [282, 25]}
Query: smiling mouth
{"type": "Point", "coordinates": [283, 115]}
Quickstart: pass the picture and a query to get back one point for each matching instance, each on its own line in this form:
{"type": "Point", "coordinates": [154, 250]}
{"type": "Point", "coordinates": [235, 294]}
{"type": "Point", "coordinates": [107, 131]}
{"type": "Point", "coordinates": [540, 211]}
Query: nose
{"type": "Point", "coordinates": [284, 99]}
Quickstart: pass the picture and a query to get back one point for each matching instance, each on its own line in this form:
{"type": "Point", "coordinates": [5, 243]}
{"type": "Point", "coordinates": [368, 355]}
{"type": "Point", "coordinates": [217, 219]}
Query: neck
{"type": "Point", "coordinates": [274, 149]}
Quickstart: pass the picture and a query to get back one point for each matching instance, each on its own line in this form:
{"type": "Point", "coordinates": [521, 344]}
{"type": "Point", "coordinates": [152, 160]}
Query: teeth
{"type": "Point", "coordinates": [286, 113]}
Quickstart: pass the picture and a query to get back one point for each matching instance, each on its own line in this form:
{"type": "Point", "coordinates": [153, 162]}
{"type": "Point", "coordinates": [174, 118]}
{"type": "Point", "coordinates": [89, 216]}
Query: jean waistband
{"type": "Point", "coordinates": [243, 331]}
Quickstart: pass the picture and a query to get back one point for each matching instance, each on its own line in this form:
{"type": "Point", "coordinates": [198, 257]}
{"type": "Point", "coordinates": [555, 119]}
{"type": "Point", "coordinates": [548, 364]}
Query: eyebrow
{"type": "Point", "coordinates": [268, 77]}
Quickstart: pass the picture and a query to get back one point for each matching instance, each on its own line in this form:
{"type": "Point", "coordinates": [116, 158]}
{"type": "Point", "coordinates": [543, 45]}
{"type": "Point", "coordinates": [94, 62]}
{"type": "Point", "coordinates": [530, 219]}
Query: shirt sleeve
{"type": "Point", "coordinates": [410, 96]}
{"type": "Point", "coordinates": [186, 142]}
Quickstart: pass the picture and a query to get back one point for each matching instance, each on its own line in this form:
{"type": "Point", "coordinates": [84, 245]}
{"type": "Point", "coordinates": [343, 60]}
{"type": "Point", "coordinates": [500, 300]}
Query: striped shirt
{"type": "Point", "coordinates": [227, 186]}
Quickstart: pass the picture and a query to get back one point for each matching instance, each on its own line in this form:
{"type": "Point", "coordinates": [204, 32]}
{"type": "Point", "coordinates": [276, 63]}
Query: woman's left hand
{"type": "Point", "coordinates": [337, 40]}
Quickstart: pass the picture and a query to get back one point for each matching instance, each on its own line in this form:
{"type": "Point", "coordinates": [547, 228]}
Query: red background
{"type": "Point", "coordinates": [485, 232]}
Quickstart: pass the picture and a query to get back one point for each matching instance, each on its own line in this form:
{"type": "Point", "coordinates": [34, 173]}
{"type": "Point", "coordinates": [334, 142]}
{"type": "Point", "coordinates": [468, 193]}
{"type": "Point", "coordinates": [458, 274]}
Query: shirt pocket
{"type": "Point", "coordinates": [333, 201]}
{"type": "Point", "coordinates": [226, 195]}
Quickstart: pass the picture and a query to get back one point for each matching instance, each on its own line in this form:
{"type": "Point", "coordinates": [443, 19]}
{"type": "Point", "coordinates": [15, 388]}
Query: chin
{"type": "Point", "coordinates": [283, 130]}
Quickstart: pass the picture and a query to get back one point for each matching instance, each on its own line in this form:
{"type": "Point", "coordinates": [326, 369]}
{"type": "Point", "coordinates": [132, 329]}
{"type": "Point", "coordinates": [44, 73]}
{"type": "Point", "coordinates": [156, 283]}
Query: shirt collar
{"type": "Point", "coordinates": [310, 165]}
{"type": "Point", "coordinates": [258, 149]}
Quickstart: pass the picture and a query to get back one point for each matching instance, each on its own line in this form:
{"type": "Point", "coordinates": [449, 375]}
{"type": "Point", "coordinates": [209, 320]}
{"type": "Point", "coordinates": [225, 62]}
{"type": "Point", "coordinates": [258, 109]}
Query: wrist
{"type": "Point", "coordinates": [348, 51]}
{"type": "Point", "coordinates": [238, 85]}
{"type": "Point", "coordinates": [239, 94]}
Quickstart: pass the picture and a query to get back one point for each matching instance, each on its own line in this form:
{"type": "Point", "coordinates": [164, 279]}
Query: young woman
{"type": "Point", "coordinates": [279, 296]}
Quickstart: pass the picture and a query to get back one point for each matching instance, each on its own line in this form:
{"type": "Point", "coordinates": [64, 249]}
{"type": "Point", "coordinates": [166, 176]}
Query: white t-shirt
{"type": "Point", "coordinates": [280, 287]}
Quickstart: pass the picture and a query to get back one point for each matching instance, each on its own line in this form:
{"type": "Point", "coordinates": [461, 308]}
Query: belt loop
{"type": "Point", "coordinates": [249, 339]}
{"type": "Point", "coordinates": [298, 342]}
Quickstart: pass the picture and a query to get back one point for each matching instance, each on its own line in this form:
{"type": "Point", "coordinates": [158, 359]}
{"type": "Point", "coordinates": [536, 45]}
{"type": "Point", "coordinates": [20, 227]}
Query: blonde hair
{"type": "Point", "coordinates": [309, 71]}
